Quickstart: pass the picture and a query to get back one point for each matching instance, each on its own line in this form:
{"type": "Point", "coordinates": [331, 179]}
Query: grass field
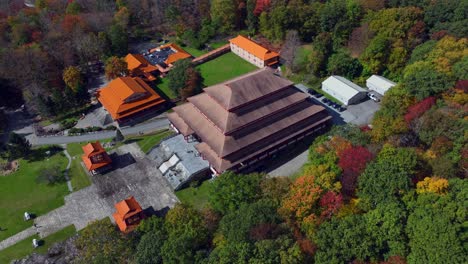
{"type": "Point", "coordinates": [24, 247]}
{"type": "Point", "coordinates": [197, 197]}
{"type": "Point", "coordinates": [224, 68]}
{"type": "Point", "coordinates": [162, 85]}
{"type": "Point", "coordinates": [148, 141]}
{"type": "Point", "coordinates": [19, 192]}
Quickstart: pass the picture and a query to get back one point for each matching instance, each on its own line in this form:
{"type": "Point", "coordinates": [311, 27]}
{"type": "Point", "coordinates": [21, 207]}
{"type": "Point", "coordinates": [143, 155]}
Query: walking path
{"type": "Point", "coordinates": [70, 187]}
{"type": "Point", "coordinates": [155, 125]}
{"type": "Point", "coordinates": [17, 238]}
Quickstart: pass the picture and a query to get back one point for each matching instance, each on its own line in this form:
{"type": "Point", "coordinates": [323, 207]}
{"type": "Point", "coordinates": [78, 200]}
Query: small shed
{"type": "Point", "coordinates": [379, 84]}
{"type": "Point", "coordinates": [343, 90]}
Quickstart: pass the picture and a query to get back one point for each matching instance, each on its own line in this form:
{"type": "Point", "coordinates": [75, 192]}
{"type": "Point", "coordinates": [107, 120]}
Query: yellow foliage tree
{"type": "Point", "coordinates": [432, 185]}
{"type": "Point", "coordinates": [72, 77]}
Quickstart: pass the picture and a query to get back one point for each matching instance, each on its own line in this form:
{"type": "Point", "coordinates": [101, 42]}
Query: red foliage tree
{"type": "Point", "coordinates": [420, 108]}
{"type": "Point", "coordinates": [72, 22]}
{"type": "Point", "coordinates": [330, 202]}
{"type": "Point", "coordinates": [261, 6]}
{"type": "Point", "coordinates": [352, 161]}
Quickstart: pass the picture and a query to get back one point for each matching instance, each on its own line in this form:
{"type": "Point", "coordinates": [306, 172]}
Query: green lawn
{"type": "Point", "coordinates": [79, 178]}
{"type": "Point", "coordinates": [24, 247]}
{"type": "Point", "coordinates": [19, 193]}
{"type": "Point", "coordinates": [224, 68]}
{"type": "Point", "coordinates": [194, 52]}
{"type": "Point", "coordinates": [162, 85]}
{"type": "Point", "coordinates": [148, 141]}
{"type": "Point", "coordinates": [197, 197]}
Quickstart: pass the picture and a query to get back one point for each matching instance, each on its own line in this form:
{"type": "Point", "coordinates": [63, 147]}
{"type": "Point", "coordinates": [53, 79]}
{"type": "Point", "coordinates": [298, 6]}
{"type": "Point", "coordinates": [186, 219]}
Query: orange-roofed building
{"type": "Point", "coordinates": [126, 96]}
{"type": "Point", "coordinates": [95, 157]}
{"type": "Point", "coordinates": [175, 53]}
{"type": "Point", "coordinates": [253, 52]}
{"type": "Point", "coordinates": [138, 66]}
{"type": "Point", "coordinates": [128, 215]}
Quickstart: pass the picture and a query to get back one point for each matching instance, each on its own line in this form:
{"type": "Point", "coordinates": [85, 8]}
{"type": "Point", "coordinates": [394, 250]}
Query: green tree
{"type": "Point", "coordinates": [116, 67]}
{"type": "Point", "coordinates": [118, 37]}
{"type": "Point", "coordinates": [280, 250]}
{"type": "Point", "coordinates": [387, 178]}
{"type": "Point", "coordinates": [344, 240]}
{"type": "Point", "coordinates": [237, 226]}
{"type": "Point", "coordinates": [386, 226]}
{"type": "Point", "coordinates": [100, 242]}
{"type": "Point", "coordinates": [73, 8]}
{"type": "Point", "coordinates": [437, 226]}
{"type": "Point", "coordinates": [223, 15]}
{"type": "Point", "coordinates": [184, 76]}
{"type": "Point", "coordinates": [422, 80]}
{"type": "Point", "coordinates": [148, 250]}
{"type": "Point", "coordinates": [187, 234]}
{"type": "Point", "coordinates": [18, 146]}
{"type": "Point", "coordinates": [229, 191]}
{"type": "Point", "coordinates": [341, 63]}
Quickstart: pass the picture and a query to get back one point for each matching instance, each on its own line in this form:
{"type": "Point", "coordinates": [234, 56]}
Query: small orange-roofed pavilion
{"type": "Point", "coordinates": [95, 157]}
{"type": "Point", "coordinates": [138, 66]}
{"type": "Point", "coordinates": [128, 214]}
{"type": "Point", "coordinates": [127, 96]}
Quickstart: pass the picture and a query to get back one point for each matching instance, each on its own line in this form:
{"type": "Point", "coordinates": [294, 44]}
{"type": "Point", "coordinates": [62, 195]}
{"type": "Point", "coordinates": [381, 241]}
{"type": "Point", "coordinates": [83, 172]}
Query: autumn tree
{"type": "Point", "coordinates": [301, 203]}
{"type": "Point", "coordinates": [72, 77]}
{"type": "Point", "coordinates": [419, 108]}
{"type": "Point", "coordinates": [116, 67]}
{"type": "Point", "coordinates": [432, 185]}
{"type": "Point", "coordinates": [353, 161]}
{"type": "Point", "coordinates": [193, 83]}
{"type": "Point", "coordinates": [289, 49]}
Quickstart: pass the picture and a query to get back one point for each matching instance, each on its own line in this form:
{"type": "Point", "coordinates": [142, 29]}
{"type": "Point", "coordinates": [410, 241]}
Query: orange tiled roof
{"type": "Point", "coordinates": [253, 48]}
{"type": "Point", "coordinates": [126, 96]}
{"type": "Point", "coordinates": [126, 209]}
{"type": "Point", "coordinates": [92, 149]}
{"type": "Point", "coordinates": [179, 55]}
{"type": "Point", "coordinates": [138, 65]}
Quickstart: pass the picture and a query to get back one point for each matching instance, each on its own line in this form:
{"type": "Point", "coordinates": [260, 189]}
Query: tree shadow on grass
{"type": "Point", "coordinates": [43, 153]}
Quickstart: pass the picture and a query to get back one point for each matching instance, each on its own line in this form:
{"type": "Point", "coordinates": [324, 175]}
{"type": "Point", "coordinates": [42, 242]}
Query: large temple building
{"type": "Point", "coordinates": [95, 158]}
{"type": "Point", "coordinates": [253, 52]}
{"type": "Point", "coordinates": [125, 97]}
{"type": "Point", "coordinates": [240, 122]}
{"type": "Point", "coordinates": [128, 214]}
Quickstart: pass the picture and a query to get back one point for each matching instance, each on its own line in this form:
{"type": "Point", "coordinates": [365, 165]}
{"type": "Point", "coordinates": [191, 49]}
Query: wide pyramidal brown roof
{"type": "Point", "coordinates": [246, 116]}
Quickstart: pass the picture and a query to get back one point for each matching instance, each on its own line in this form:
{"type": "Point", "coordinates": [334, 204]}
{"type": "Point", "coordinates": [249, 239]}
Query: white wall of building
{"type": "Point", "coordinates": [343, 90]}
{"type": "Point", "coordinates": [247, 56]}
{"type": "Point", "coordinates": [379, 84]}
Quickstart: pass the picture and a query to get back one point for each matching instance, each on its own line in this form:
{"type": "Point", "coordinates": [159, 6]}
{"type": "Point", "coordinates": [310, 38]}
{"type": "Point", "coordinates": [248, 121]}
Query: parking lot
{"type": "Point", "coordinates": [358, 114]}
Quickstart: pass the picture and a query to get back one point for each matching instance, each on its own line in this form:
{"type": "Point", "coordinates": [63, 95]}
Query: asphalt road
{"type": "Point", "coordinates": [145, 128]}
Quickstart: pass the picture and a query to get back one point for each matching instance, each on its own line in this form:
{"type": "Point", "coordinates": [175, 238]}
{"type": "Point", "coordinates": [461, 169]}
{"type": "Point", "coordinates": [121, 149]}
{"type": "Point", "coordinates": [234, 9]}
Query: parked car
{"type": "Point", "coordinates": [373, 97]}
{"type": "Point", "coordinates": [325, 100]}
{"type": "Point", "coordinates": [330, 103]}
{"type": "Point", "coordinates": [312, 92]}
{"type": "Point", "coordinates": [342, 108]}
{"type": "Point", "coordinates": [336, 106]}
{"type": "Point", "coordinates": [318, 95]}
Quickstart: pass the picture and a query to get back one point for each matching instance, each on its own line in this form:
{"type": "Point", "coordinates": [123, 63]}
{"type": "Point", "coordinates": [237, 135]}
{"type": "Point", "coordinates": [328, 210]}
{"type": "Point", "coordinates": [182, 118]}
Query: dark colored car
{"type": "Point", "coordinates": [325, 100]}
{"type": "Point", "coordinates": [318, 95]}
{"type": "Point", "coordinates": [336, 106]}
{"type": "Point", "coordinates": [342, 108]}
{"type": "Point", "coordinates": [330, 103]}
{"type": "Point", "coordinates": [312, 92]}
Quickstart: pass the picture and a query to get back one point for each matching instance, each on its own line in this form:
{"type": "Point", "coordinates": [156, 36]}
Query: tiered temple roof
{"type": "Point", "coordinates": [246, 117]}
{"type": "Point", "coordinates": [95, 156]}
{"type": "Point", "coordinates": [126, 96]}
